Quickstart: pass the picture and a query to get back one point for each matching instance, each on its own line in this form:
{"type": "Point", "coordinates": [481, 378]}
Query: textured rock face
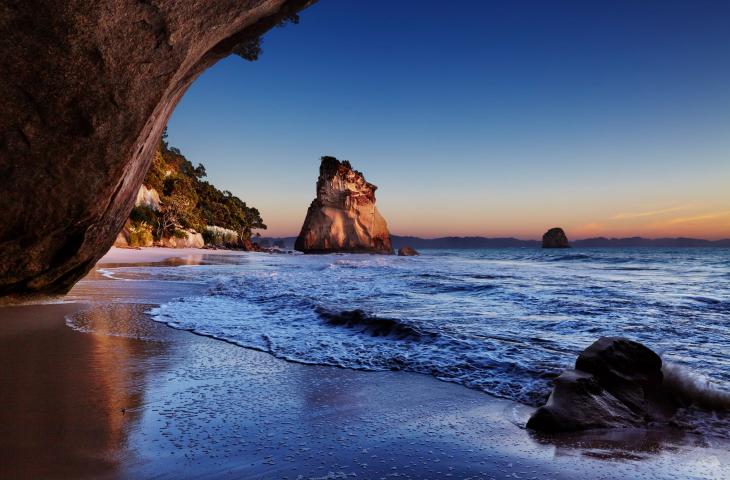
{"type": "Point", "coordinates": [407, 252]}
{"type": "Point", "coordinates": [579, 402]}
{"type": "Point", "coordinates": [86, 89]}
{"type": "Point", "coordinates": [343, 217]}
{"type": "Point", "coordinates": [555, 238]}
{"type": "Point", "coordinates": [616, 383]}
{"type": "Point", "coordinates": [147, 197]}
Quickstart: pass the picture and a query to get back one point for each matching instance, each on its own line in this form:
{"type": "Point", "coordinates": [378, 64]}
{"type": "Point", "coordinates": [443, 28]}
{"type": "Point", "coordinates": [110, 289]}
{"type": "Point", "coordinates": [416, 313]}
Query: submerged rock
{"type": "Point", "coordinates": [343, 217]}
{"type": "Point", "coordinates": [555, 238]}
{"type": "Point", "coordinates": [407, 252]}
{"type": "Point", "coordinates": [616, 383]}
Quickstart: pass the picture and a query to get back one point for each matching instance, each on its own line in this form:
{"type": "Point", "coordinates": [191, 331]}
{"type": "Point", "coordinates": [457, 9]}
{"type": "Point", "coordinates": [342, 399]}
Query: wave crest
{"type": "Point", "coordinates": [694, 389]}
{"type": "Point", "coordinates": [374, 326]}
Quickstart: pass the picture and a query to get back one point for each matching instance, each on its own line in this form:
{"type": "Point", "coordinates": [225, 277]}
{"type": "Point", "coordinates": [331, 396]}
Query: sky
{"type": "Point", "coordinates": [481, 117]}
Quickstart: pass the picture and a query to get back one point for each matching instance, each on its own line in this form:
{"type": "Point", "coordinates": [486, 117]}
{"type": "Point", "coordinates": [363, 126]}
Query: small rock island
{"type": "Point", "coordinates": [407, 251]}
{"type": "Point", "coordinates": [343, 217]}
{"type": "Point", "coordinates": [555, 238]}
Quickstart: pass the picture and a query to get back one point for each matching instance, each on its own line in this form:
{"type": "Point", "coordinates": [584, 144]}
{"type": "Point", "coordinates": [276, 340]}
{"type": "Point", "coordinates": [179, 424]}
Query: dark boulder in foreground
{"type": "Point", "coordinates": [616, 383]}
{"type": "Point", "coordinates": [407, 252]}
{"type": "Point", "coordinates": [555, 238]}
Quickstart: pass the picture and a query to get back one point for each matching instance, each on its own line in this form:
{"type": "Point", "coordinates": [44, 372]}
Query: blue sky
{"type": "Point", "coordinates": [480, 117]}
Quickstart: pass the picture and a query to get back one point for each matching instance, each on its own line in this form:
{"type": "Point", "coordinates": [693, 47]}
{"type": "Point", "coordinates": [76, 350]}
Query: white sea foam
{"type": "Point", "coordinates": [504, 321]}
{"type": "Point", "coordinates": [695, 388]}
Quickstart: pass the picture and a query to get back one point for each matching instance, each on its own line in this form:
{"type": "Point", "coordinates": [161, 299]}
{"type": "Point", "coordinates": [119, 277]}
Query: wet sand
{"type": "Point", "coordinates": [95, 389]}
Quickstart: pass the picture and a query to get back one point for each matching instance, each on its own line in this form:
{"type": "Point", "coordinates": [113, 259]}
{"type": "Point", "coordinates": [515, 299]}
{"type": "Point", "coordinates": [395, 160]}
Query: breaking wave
{"type": "Point", "coordinates": [692, 388]}
{"type": "Point", "coordinates": [371, 325]}
{"type": "Point", "coordinates": [502, 321]}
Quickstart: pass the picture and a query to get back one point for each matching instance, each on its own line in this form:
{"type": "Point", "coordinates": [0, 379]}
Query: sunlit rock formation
{"type": "Point", "coordinates": [87, 88]}
{"type": "Point", "coordinates": [343, 217]}
{"type": "Point", "coordinates": [148, 197]}
{"type": "Point", "coordinates": [555, 238]}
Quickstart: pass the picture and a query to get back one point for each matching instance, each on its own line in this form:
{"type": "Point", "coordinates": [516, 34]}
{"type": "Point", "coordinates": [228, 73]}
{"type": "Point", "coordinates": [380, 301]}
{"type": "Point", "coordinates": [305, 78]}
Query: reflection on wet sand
{"type": "Point", "coordinates": [684, 454]}
{"type": "Point", "coordinates": [65, 394]}
{"type": "Point", "coordinates": [108, 393]}
{"type": "Point", "coordinates": [193, 259]}
{"type": "Point", "coordinates": [127, 283]}
{"type": "Point", "coordinates": [620, 444]}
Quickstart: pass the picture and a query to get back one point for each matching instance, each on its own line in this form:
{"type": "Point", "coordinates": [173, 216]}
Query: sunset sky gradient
{"type": "Point", "coordinates": [482, 118]}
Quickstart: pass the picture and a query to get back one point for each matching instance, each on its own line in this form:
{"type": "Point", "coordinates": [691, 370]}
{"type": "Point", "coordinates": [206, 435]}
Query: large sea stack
{"type": "Point", "coordinates": [343, 217]}
{"type": "Point", "coordinates": [555, 238]}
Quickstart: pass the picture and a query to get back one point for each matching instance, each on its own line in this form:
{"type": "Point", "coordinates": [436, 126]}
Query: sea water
{"type": "Point", "coordinates": [505, 321]}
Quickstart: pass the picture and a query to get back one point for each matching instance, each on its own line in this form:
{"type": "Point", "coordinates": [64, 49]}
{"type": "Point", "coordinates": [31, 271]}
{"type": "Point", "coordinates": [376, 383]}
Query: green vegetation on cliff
{"type": "Point", "coordinates": [188, 202]}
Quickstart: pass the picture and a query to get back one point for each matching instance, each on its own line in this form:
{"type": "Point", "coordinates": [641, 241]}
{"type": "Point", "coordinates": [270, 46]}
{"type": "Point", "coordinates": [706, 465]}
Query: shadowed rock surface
{"type": "Point", "coordinates": [343, 217]}
{"type": "Point", "coordinates": [616, 383]}
{"type": "Point", "coordinates": [407, 252]}
{"type": "Point", "coordinates": [555, 238]}
{"type": "Point", "coordinates": [87, 88]}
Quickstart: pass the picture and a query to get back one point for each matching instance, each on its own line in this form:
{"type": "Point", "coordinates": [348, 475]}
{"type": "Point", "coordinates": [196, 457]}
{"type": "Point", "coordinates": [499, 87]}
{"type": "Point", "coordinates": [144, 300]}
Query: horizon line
{"type": "Point", "coordinates": [537, 239]}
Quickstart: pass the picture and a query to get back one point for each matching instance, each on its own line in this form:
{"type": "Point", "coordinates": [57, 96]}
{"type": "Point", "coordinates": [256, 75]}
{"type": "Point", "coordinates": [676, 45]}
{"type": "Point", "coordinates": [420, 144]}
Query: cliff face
{"type": "Point", "coordinates": [87, 88]}
{"type": "Point", "coordinates": [343, 217]}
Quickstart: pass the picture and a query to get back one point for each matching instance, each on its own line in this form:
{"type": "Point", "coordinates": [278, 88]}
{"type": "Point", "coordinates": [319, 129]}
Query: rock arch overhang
{"type": "Point", "coordinates": [87, 88]}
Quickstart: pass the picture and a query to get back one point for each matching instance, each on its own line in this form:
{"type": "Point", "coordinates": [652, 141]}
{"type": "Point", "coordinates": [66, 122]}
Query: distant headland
{"type": "Point", "coordinates": [511, 242]}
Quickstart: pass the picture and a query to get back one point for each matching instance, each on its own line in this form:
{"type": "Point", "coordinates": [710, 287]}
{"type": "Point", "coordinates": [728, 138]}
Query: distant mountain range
{"type": "Point", "coordinates": [598, 242]}
{"type": "Point", "coordinates": [510, 242]}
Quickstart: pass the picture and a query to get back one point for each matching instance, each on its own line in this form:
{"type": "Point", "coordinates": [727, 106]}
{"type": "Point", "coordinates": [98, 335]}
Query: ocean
{"type": "Point", "coordinates": [504, 321]}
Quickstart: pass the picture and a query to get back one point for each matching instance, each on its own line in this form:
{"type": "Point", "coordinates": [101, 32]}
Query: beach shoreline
{"type": "Point", "coordinates": [93, 388]}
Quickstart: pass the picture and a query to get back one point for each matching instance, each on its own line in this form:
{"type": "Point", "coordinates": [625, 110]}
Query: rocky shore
{"type": "Point", "coordinates": [619, 383]}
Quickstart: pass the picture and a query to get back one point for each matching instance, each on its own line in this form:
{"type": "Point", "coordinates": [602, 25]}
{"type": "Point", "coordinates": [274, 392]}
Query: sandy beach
{"type": "Point", "coordinates": [93, 388]}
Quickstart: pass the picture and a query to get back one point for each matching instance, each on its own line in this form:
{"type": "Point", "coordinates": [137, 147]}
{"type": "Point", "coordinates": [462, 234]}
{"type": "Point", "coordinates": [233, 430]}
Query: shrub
{"type": "Point", "coordinates": [140, 234]}
{"type": "Point", "coordinates": [220, 237]}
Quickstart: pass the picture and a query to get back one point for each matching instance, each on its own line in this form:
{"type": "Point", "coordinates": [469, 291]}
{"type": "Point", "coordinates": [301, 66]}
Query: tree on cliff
{"type": "Point", "coordinates": [251, 50]}
{"type": "Point", "coordinates": [177, 207]}
{"type": "Point", "coordinates": [243, 218]}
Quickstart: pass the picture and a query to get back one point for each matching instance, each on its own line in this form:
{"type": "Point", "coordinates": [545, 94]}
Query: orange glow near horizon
{"type": "Point", "coordinates": [710, 222]}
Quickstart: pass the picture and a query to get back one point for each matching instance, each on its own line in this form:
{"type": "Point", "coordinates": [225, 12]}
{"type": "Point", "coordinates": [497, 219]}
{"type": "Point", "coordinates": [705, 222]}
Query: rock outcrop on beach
{"type": "Point", "coordinates": [555, 238]}
{"type": "Point", "coordinates": [87, 88]}
{"type": "Point", "coordinates": [407, 252]}
{"type": "Point", "coordinates": [343, 217]}
{"type": "Point", "coordinates": [616, 383]}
